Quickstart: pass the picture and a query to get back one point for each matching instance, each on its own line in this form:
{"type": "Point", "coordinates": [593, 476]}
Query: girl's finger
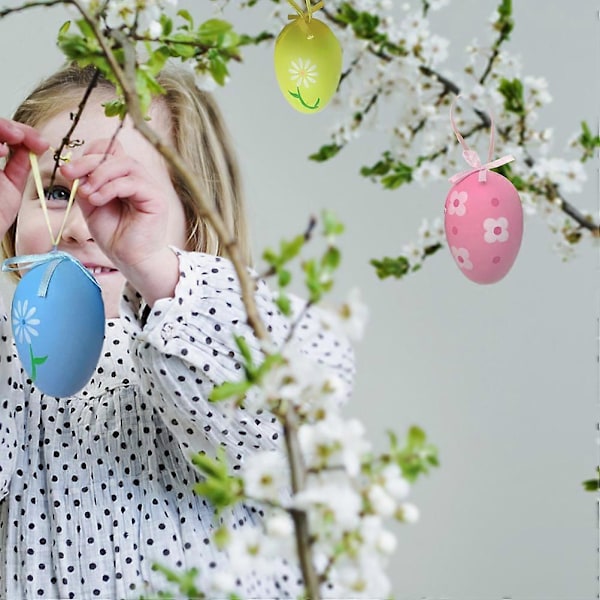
{"type": "Point", "coordinates": [105, 171]}
{"type": "Point", "coordinates": [135, 191]}
{"type": "Point", "coordinates": [13, 133]}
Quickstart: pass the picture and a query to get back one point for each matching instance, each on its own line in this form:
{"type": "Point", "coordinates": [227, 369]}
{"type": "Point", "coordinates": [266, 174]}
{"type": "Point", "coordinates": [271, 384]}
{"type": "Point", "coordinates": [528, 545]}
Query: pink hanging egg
{"type": "Point", "coordinates": [484, 226]}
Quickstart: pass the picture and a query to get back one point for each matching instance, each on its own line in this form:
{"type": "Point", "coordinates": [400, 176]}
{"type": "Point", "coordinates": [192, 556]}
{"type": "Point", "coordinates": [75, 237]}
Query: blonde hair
{"type": "Point", "coordinates": [199, 135]}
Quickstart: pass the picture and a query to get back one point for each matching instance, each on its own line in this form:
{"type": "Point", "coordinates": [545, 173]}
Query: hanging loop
{"type": "Point", "coordinates": [471, 157]}
{"type": "Point", "coordinates": [39, 186]}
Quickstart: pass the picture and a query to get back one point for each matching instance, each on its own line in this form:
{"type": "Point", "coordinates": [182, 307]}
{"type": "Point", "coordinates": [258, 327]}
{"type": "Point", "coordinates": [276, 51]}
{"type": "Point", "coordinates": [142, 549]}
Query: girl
{"type": "Point", "coordinates": [95, 488]}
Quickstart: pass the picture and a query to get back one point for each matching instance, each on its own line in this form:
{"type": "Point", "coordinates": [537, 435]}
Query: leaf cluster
{"type": "Point", "coordinates": [592, 485]}
{"type": "Point", "coordinates": [219, 486]}
{"type": "Point", "coordinates": [254, 374]}
{"type": "Point", "coordinates": [416, 456]}
{"type": "Point", "coordinates": [588, 142]}
{"type": "Point", "coordinates": [365, 26]}
{"type": "Point", "coordinates": [391, 173]}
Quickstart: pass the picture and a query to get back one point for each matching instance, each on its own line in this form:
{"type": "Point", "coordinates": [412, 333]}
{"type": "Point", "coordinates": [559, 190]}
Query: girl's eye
{"type": "Point", "coordinates": [57, 192]}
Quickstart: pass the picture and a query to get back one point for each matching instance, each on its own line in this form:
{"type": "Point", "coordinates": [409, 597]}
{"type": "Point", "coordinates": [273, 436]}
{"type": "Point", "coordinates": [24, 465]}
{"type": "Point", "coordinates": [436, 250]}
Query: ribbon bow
{"type": "Point", "coordinates": [53, 259]}
{"type": "Point", "coordinates": [472, 158]}
{"type": "Point", "coordinates": [305, 16]}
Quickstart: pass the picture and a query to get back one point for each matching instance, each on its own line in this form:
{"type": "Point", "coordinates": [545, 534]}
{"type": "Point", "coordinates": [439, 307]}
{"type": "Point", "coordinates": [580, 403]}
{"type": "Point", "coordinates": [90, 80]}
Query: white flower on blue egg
{"type": "Point", "coordinates": [24, 321]}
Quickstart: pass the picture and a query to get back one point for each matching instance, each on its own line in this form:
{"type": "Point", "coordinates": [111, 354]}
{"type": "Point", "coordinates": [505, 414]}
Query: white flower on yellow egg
{"type": "Point", "coordinates": [303, 72]}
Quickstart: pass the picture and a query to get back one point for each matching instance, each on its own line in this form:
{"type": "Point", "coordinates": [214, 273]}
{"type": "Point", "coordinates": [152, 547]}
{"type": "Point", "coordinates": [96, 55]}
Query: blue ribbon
{"type": "Point", "coordinates": [53, 259]}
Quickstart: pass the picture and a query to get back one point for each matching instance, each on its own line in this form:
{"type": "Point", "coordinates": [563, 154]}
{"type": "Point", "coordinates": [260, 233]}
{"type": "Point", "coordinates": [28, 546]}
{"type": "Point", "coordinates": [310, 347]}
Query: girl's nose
{"type": "Point", "coordinates": [76, 230]}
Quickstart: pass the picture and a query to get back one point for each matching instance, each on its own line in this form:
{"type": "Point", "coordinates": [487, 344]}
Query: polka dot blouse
{"type": "Point", "coordinates": [96, 487]}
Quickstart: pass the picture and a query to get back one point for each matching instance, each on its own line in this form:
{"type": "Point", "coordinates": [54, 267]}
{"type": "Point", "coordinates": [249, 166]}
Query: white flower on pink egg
{"type": "Point", "coordinates": [462, 257]}
{"type": "Point", "coordinates": [496, 230]}
{"type": "Point", "coordinates": [457, 204]}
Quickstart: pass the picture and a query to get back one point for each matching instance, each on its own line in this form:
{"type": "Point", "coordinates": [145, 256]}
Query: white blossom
{"type": "Point", "coordinates": [381, 502]}
{"type": "Point", "coordinates": [437, 4]}
{"type": "Point", "coordinates": [332, 501]}
{"type": "Point", "coordinates": [280, 525]}
{"type": "Point", "coordinates": [349, 318]}
{"type": "Point", "coordinates": [250, 550]}
{"type": "Point", "coordinates": [393, 482]}
{"type": "Point", "coordinates": [434, 49]}
{"type": "Point", "coordinates": [408, 513]}
{"type": "Point", "coordinates": [334, 442]}
{"type": "Point", "coordinates": [426, 172]}
{"type": "Point", "coordinates": [221, 583]}
{"type": "Point", "coordinates": [538, 87]}
{"type": "Point", "coordinates": [568, 175]}
{"type": "Point", "coordinates": [265, 476]}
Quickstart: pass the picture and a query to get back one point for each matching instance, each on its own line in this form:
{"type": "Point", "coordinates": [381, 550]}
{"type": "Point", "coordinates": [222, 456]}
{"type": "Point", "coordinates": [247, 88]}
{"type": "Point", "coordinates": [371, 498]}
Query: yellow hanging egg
{"type": "Point", "coordinates": [308, 64]}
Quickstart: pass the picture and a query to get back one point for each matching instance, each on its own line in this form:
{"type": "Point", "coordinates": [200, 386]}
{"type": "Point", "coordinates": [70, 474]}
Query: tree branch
{"type": "Point", "coordinates": [125, 76]}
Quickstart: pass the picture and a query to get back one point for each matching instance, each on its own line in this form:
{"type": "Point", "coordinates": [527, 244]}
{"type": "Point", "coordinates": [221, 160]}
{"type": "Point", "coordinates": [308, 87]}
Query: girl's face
{"type": "Point", "coordinates": [32, 236]}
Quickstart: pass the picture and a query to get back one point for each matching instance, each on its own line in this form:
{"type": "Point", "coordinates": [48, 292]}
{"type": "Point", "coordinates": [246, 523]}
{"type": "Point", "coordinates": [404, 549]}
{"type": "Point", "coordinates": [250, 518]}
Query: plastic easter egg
{"type": "Point", "coordinates": [308, 64]}
{"type": "Point", "coordinates": [58, 324]}
{"type": "Point", "coordinates": [484, 226]}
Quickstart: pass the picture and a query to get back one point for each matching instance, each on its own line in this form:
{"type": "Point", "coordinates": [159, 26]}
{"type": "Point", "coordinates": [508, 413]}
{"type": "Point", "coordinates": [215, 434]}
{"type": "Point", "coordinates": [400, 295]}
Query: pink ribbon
{"type": "Point", "coordinates": [472, 158]}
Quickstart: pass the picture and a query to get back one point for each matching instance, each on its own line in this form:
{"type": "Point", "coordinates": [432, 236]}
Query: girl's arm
{"type": "Point", "coordinates": [187, 346]}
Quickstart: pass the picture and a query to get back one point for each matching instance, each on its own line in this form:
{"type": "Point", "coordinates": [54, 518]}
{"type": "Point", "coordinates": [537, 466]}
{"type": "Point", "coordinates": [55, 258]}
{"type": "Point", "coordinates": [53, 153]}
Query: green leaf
{"type": "Point", "coordinates": [184, 14]}
{"type": "Point", "coordinates": [588, 141]}
{"type": "Point", "coordinates": [221, 537]}
{"type": "Point", "coordinates": [64, 28]}
{"type": "Point", "coordinates": [331, 226]}
{"type": "Point", "coordinates": [222, 493]}
{"type": "Point", "coordinates": [416, 436]}
{"type": "Point", "coordinates": [283, 304]}
{"type": "Point", "coordinates": [401, 173]}
{"type": "Point", "coordinates": [209, 467]}
{"type": "Point", "coordinates": [505, 23]}
{"type": "Point", "coordinates": [512, 91]}
{"type": "Point", "coordinates": [115, 108]}
{"type": "Point", "coordinates": [592, 485]}
{"type": "Point", "coordinates": [290, 250]}
{"type": "Point", "coordinates": [167, 25]}
{"type": "Point", "coordinates": [184, 580]}
{"type": "Point", "coordinates": [218, 68]}
{"type": "Point", "coordinates": [283, 278]}
{"type": "Point", "coordinates": [244, 348]}
{"type": "Point", "coordinates": [213, 29]}
{"type": "Point", "coordinates": [325, 152]}
{"type": "Point", "coordinates": [417, 455]}
{"type": "Point", "coordinates": [331, 259]}
{"type": "Point", "coordinates": [381, 167]}
{"type": "Point", "coordinates": [391, 267]}
{"type": "Point", "coordinates": [229, 389]}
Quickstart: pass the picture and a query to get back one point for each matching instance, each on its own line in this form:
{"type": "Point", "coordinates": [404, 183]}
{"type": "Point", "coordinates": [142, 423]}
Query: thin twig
{"type": "Point", "coordinates": [36, 4]}
{"type": "Point", "coordinates": [66, 141]}
{"type": "Point", "coordinates": [300, 518]}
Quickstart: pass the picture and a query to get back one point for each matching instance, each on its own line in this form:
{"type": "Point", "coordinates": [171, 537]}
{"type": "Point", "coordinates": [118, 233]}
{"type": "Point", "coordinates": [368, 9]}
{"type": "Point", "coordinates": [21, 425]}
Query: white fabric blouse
{"type": "Point", "coordinates": [96, 487]}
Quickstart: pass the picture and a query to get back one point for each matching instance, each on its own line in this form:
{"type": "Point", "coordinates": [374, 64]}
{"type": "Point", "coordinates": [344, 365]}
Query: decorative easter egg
{"type": "Point", "coordinates": [484, 226]}
{"type": "Point", "coordinates": [308, 64]}
{"type": "Point", "coordinates": [58, 324]}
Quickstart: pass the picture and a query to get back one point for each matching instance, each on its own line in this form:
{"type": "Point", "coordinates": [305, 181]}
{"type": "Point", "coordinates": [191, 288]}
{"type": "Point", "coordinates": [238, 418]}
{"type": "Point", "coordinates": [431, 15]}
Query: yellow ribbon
{"type": "Point", "coordinates": [39, 186]}
{"type": "Point", "coordinates": [310, 9]}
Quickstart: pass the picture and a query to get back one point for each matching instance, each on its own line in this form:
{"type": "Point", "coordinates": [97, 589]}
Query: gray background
{"type": "Point", "coordinates": [503, 378]}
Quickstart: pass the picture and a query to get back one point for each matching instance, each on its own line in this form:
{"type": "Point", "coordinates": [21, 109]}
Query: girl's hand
{"type": "Point", "coordinates": [127, 210]}
{"type": "Point", "coordinates": [18, 140]}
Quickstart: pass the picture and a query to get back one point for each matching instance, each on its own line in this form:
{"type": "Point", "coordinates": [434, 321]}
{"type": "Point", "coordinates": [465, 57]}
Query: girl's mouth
{"type": "Point", "coordinates": [98, 270]}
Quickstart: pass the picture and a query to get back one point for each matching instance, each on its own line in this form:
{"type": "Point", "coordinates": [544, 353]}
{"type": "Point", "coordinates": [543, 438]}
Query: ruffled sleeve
{"type": "Point", "coordinates": [11, 404]}
{"type": "Point", "coordinates": [186, 347]}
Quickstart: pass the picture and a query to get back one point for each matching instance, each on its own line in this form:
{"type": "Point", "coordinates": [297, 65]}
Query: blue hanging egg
{"type": "Point", "coordinates": [57, 322]}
